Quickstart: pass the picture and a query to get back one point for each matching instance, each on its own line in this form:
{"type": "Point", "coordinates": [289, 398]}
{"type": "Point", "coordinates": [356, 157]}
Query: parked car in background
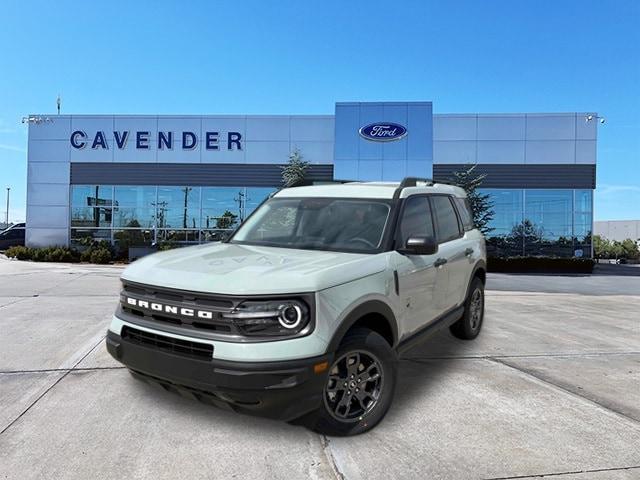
{"type": "Point", "coordinates": [12, 236]}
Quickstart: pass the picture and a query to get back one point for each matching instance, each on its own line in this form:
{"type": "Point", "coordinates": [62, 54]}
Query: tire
{"type": "Point", "coordinates": [468, 327]}
{"type": "Point", "coordinates": [367, 406]}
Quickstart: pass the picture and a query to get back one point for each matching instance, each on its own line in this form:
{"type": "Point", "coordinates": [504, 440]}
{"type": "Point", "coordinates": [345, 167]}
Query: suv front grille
{"type": "Point", "coordinates": [168, 344]}
{"type": "Point", "coordinates": [168, 307]}
{"type": "Point", "coordinates": [191, 314]}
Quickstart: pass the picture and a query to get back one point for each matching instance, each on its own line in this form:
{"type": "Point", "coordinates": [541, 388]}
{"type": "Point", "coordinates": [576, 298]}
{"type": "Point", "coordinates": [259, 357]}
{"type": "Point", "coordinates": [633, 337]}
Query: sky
{"type": "Point", "coordinates": [257, 57]}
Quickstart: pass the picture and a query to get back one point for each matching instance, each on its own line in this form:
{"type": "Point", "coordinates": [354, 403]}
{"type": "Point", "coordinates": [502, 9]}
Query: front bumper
{"type": "Point", "coordinates": [282, 390]}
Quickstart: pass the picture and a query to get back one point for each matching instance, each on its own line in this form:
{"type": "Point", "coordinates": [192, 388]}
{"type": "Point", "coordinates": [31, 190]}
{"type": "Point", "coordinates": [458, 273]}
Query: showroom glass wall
{"type": "Point", "coordinates": [540, 222]}
{"type": "Point", "coordinates": [144, 215]}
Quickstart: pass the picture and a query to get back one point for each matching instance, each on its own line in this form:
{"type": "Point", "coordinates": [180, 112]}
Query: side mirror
{"type": "Point", "coordinates": [420, 246]}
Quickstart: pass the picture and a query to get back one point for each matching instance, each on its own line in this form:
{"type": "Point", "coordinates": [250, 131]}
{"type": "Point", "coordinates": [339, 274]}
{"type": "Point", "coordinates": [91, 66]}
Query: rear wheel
{"type": "Point", "coordinates": [360, 385]}
{"type": "Point", "coordinates": [468, 327]}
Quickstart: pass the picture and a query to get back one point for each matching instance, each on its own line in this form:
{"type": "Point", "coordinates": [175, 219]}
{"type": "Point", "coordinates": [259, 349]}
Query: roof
{"type": "Point", "coordinates": [367, 190]}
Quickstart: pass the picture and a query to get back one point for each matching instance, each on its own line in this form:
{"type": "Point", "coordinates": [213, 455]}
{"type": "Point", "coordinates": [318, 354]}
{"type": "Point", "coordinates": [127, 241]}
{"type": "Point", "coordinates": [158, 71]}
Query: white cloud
{"type": "Point", "coordinates": [12, 148]}
{"type": "Point", "coordinates": [5, 128]}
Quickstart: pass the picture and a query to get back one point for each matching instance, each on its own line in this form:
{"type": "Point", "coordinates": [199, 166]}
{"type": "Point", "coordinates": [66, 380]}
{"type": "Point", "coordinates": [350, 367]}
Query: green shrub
{"type": "Point", "coordinates": [47, 254]}
{"type": "Point", "coordinates": [61, 254]}
{"type": "Point", "coordinates": [97, 251]}
{"type": "Point", "coordinates": [85, 256]}
{"type": "Point", "coordinates": [100, 255]}
{"type": "Point", "coordinates": [19, 252]}
{"type": "Point", "coordinates": [39, 255]}
{"type": "Point", "coordinates": [167, 245]}
{"type": "Point", "coordinates": [540, 265]}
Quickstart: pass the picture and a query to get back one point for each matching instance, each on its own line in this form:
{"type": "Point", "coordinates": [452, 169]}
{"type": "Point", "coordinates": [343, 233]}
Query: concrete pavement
{"type": "Point", "coordinates": [606, 280]}
{"type": "Point", "coordinates": [551, 387]}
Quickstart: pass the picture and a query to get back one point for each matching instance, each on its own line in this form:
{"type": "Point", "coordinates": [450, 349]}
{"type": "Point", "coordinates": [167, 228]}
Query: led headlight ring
{"type": "Point", "coordinates": [289, 315]}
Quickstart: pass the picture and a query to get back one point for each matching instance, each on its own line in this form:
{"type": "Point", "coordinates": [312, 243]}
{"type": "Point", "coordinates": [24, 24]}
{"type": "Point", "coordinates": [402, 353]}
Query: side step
{"type": "Point", "coordinates": [434, 327]}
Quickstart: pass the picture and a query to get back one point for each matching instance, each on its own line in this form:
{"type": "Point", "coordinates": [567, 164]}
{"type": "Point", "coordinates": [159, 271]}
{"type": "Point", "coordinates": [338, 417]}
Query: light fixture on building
{"type": "Point", "coordinates": [591, 118]}
{"type": "Point", "coordinates": [35, 119]}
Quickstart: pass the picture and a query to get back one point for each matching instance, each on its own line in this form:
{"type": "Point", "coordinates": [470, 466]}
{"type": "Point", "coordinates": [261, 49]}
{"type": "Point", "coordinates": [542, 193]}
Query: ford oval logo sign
{"type": "Point", "coordinates": [383, 132]}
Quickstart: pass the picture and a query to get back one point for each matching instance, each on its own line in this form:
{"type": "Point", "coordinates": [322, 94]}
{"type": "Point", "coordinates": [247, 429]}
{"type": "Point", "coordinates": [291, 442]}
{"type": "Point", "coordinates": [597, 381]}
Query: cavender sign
{"type": "Point", "coordinates": [164, 140]}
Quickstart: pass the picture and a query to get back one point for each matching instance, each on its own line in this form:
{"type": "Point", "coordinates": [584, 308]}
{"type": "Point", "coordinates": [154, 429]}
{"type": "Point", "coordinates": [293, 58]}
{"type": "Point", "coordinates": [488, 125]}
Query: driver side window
{"type": "Point", "coordinates": [281, 222]}
{"type": "Point", "coordinates": [416, 219]}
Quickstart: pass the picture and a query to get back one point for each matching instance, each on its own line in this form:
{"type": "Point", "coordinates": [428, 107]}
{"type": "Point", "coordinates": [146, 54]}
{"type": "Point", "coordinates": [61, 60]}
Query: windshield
{"type": "Point", "coordinates": [337, 224]}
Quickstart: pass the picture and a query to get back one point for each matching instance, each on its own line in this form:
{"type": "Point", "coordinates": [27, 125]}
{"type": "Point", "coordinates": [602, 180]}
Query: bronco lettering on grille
{"type": "Point", "coordinates": [160, 307]}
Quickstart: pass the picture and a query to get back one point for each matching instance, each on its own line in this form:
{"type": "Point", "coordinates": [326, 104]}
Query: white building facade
{"type": "Point", "coordinates": [138, 180]}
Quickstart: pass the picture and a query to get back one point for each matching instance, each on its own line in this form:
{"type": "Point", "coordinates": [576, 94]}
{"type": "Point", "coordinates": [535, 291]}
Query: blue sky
{"type": "Point", "coordinates": [301, 57]}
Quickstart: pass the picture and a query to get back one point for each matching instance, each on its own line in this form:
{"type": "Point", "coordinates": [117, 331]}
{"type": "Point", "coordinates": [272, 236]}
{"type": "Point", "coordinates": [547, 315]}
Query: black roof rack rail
{"type": "Point", "coordinates": [413, 182]}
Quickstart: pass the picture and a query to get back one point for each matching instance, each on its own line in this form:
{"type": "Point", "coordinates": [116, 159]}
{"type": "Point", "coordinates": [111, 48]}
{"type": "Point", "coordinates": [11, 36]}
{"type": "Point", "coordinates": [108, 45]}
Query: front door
{"type": "Point", "coordinates": [421, 284]}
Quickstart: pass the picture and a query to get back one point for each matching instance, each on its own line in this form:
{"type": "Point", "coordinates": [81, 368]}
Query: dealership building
{"type": "Point", "coordinates": [143, 179]}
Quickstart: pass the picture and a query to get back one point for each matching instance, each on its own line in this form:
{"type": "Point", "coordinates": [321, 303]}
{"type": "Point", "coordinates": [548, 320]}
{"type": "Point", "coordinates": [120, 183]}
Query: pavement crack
{"type": "Point", "coordinates": [50, 387]}
{"type": "Point", "coordinates": [574, 472]}
{"type": "Point", "coordinates": [532, 355]}
{"type": "Point", "coordinates": [326, 449]}
{"type": "Point", "coordinates": [564, 389]}
{"type": "Point", "coordinates": [20, 299]}
{"type": "Point", "coordinates": [54, 370]}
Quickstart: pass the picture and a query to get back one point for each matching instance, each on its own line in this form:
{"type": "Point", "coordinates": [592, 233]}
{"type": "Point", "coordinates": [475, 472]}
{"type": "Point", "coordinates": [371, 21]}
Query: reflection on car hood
{"type": "Point", "coordinates": [241, 269]}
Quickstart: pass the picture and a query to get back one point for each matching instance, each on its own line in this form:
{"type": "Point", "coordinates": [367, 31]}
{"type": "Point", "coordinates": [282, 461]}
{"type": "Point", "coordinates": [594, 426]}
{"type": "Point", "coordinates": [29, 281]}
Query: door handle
{"type": "Point", "coordinates": [439, 262]}
{"type": "Point", "coordinates": [468, 252]}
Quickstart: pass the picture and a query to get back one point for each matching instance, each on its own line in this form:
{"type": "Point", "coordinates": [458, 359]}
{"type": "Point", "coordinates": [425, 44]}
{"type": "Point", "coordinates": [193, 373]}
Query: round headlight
{"type": "Point", "coordinates": [289, 315]}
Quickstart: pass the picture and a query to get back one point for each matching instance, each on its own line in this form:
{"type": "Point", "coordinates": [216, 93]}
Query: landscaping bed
{"type": "Point", "coordinates": [540, 265]}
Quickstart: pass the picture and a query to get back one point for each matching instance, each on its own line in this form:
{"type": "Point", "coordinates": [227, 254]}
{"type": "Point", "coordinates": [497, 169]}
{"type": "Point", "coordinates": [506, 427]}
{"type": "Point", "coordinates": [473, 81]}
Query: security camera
{"type": "Point", "coordinates": [589, 118]}
{"type": "Point", "coordinates": [602, 120]}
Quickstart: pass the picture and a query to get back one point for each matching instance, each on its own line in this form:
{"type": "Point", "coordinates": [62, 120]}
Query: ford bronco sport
{"type": "Point", "coordinates": [302, 313]}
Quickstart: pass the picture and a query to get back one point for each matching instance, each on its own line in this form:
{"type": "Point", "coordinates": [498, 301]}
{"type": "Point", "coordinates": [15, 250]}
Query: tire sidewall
{"type": "Point", "coordinates": [469, 331]}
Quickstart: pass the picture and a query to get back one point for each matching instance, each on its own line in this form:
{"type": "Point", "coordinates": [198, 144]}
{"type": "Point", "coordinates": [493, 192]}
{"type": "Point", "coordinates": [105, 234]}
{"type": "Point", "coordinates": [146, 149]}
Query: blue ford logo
{"type": "Point", "coordinates": [383, 132]}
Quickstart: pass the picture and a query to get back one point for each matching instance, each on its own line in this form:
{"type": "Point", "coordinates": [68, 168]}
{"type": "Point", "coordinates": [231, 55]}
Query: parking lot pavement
{"type": "Point", "coordinates": [551, 387]}
{"type": "Point", "coordinates": [606, 280]}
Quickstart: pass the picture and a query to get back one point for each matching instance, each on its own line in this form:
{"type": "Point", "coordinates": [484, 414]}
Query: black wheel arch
{"type": "Point", "coordinates": [479, 271]}
{"type": "Point", "coordinates": [374, 314]}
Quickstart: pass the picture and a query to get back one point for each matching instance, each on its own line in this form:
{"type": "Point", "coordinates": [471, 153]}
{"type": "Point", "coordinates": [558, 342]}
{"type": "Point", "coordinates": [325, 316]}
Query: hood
{"type": "Point", "coordinates": [233, 269]}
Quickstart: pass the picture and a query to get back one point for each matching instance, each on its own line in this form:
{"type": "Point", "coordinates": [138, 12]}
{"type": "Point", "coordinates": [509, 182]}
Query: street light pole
{"type": "Point", "coordinates": [7, 218]}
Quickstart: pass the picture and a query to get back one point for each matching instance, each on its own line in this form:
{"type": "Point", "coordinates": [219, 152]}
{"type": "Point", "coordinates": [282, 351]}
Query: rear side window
{"type": "Point", "coordinates": [446, 218]}
{"type": "Point", "coordinates": [416, 219]}
{"type": "Point", "coordinates": [464, 209]}
{"type": "Point", "coordinates": [13, 234]}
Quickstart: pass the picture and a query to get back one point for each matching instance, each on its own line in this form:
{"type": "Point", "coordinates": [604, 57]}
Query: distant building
{"type": "Point", "coordinates": [618, 229]}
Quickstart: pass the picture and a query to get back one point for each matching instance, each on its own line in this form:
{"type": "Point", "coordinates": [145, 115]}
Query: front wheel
{"type": "Point", "coordinates": [360, 385]}
{"type": "Point", "coordinates": [468, 327]}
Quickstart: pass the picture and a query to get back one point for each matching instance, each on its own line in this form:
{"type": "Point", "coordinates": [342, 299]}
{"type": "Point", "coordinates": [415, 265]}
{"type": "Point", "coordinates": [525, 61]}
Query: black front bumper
{"type": "Point", "coordinates": [280, 390]}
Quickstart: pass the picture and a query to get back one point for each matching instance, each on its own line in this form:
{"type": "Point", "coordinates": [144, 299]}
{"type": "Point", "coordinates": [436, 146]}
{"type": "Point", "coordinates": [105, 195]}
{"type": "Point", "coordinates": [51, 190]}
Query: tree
{"type": "Point", "coordinates": [481, 204]}
{"type": "Point", "coordinates": [630, 249]}
{"type": "Point", "coordinates": [601, 247]}
{"type": "Point", "coordinates": [294, 172]}
{"type": "Point", "coordinates": [604, 248]}
{"type": "Point", "coordinates": [226, 221]}
{"type": "Point", "coordinates": [527, 232]}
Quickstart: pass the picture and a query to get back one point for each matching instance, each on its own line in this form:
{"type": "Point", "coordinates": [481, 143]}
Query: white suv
{"type": "Point", "coordinates": [302, 313]}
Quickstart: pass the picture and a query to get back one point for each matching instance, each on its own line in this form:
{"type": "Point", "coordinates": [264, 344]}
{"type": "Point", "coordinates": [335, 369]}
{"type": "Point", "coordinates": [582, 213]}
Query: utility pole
{"type": "Point", "coordinates": [186, 191]}
{"type": "Point", "coordinates": [7, 218]}
{"type": "Point", "coordinates": [241, 200]}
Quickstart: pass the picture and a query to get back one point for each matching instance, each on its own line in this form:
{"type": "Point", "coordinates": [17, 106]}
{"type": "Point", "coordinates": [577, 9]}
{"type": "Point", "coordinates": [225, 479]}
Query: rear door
{"type": "Point", "coordinates": [451, 249]}
{"type": "Point", "coordinates": [421, 284]}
